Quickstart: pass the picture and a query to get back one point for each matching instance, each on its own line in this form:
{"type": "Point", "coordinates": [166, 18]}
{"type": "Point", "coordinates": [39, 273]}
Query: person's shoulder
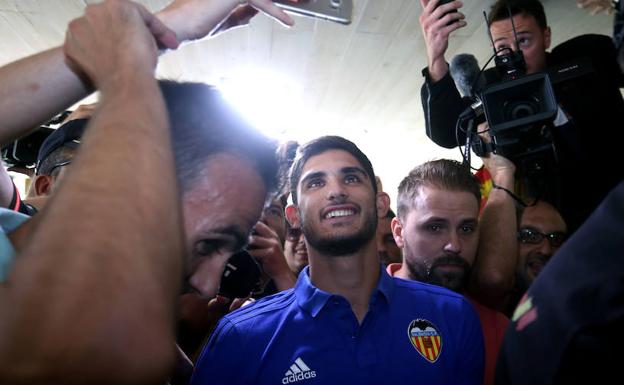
{"type": "Point", "coordinates": [263, 308]}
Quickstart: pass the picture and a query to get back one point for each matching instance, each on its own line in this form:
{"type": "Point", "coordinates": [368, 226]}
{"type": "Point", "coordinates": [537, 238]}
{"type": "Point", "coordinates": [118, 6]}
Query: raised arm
{"type": "Point", "coordinates": [36, 88]}
{"type": "Point", "coordinates": [91, 297]}
{"type": "Point", "coordinates": [495, 266]}
{"type": "Point", "coordinates": [441, 101]}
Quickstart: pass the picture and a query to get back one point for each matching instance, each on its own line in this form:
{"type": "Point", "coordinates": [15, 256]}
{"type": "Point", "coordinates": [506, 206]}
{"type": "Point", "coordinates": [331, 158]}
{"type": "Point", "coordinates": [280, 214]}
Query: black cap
{"type": "Point", "coordinates": [68, 135]}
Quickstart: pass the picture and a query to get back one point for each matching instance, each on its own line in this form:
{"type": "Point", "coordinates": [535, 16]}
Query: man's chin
{"type": "Point", "coordinates": [454, 279]}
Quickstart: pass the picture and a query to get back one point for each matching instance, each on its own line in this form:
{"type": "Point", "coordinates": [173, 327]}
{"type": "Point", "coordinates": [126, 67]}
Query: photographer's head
{"type": "Point", "coordinates": [225, 170]}
{"type": "Point", "coordinates": [530, 23]}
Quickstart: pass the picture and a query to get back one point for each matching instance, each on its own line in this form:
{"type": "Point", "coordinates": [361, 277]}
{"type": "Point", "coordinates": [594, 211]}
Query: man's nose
{"type": "Point", "coordinates": [453, 244]}
{"type": "Point", "coordinates": [336, 191]}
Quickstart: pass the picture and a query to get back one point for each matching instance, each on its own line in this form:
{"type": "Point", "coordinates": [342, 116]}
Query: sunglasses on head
{"type": "Point", "coordinates": [534, 237]}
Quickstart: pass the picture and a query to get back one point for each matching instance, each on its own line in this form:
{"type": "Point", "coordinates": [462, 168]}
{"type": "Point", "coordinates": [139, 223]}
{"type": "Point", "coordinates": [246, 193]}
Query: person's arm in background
{"type": "Point", "coordinates": [34, 89]}
{"type": "Point", "coordinates": [493, 273]}
{"type": "Point", "coordinates": [91, 297]}
{"type": "Point", "coordinates": [7, 188]}
{"type": "Point", "coordinates": [441, 101]}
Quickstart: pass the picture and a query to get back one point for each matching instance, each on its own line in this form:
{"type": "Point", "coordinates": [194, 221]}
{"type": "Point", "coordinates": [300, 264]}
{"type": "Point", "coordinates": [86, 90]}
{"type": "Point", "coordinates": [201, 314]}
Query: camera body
{"type": "Point", "coordinates": [518, 113]}
{"type": "Point", "coordinates": [519, 109]}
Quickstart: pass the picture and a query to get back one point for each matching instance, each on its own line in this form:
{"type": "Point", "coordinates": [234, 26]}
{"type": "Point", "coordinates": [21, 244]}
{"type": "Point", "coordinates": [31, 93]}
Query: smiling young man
{"type": "Point", "coordinates": [591, 105]}
{"type": "Point", "coordinates": [346, 321]}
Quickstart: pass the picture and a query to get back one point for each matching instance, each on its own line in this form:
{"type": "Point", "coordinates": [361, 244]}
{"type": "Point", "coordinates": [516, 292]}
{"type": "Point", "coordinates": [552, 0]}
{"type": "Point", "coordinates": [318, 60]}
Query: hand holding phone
{"type": "Point", "coordinates": [338, 11]}
{"type": "Point", "coordinates": [442, 2]}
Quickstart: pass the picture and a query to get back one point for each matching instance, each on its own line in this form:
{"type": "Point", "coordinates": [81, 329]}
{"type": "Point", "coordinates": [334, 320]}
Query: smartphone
{"type": "Point", "coordinates": [338, 11]}
{"type": "Point", "coordinates": [241, 277]}
{"type": "Point", "coordinates": [441, 2]}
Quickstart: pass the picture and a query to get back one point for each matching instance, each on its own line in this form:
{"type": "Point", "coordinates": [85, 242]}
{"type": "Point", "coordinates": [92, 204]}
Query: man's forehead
{"type": "Point", "coordinates": [523, 24]}
{"type": "Point", "coordinates": [330, 160]}
{"type": "Point", "coordinates": [431, 198]}
{"type": "Point", "coordinates": [542, 214]}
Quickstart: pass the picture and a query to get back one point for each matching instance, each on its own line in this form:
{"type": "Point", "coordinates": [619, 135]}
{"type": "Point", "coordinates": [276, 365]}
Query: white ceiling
{"type": "Point", "coordinates": [360, 81]}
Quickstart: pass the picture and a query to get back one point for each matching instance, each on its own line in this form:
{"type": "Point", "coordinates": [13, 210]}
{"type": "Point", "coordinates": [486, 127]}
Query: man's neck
{"type": "Point", "coordinates": [403, 273]}
{"type": "Point", "coordinates": [352, 276]}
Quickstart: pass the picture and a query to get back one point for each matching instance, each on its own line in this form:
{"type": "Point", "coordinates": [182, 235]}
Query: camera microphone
{"type": "Point", "coordinates": [465, 71]}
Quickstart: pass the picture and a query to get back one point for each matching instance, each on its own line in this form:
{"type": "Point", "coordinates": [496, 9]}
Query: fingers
{"type": "Point", "coordinates": [164, 36]}
{"type": "Point", "coordinates": [268, 7]}
{"type": "Point", "coordinates": [264, 230]}
{"type": "Point", "coordinates": [237, 303]}
{"type": "Point", "coordinates": [483, 131]}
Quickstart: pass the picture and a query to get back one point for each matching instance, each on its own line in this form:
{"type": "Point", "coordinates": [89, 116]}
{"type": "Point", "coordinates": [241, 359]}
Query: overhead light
{"type": "Point", "coordinates": [271, 101]}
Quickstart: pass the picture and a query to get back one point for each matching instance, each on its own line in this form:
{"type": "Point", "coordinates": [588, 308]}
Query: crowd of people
{"type": "Point", "coordinates": [110, 267]}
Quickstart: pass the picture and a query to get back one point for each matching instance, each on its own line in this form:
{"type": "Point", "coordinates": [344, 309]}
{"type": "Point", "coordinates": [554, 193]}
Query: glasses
{"type": "Point", "coordinates": [293, 234]}
{"type": "Point", "coordinates": [535, 237]}
{"type": "Point", "coordinates": [58, 165]}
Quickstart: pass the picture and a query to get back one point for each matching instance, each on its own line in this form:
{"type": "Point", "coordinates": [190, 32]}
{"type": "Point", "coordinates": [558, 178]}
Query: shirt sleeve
{"type": "Point", "coordinates": [221, 361]}
{"type": "Point", "coordinates": [442, 105]}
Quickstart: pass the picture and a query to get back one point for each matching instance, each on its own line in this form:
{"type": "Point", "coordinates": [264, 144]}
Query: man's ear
{"type": "Point", "coordinates": [383, 204]}
{"type": "Point", "coordinates": [397, 231]}
{"type": "Point", "coordinates": [547, 35]}
{"type": "Point", "coordinates": [43, 185]}
{"type": "Point", "coordinates": [292, 216]}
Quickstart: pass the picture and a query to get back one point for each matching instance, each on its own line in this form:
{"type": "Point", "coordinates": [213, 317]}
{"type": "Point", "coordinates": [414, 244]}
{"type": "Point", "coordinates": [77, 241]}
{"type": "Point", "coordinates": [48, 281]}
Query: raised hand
{"type": "Point", "coordinates": [437, 23]}
{"type": "Point", "coordinates": [266, 247]}
{"type": "Point", "coordinates": [115, 34]}
{"type": "Point", "coordinates": [596, 6]}
{"type": "Point", "coordinates": [196, 19]}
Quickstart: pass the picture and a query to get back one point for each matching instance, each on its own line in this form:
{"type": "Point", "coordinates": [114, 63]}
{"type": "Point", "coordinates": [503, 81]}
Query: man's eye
{"type": "Point", "coordinates": [315, 183]}
{"type": "Point", "coordinates": [502, 49]}
{"type": "Point", "coordinates": [351, 179]}
{"type": "Point", "coordinates": [273, 212]}
{"type": "Point", "coordinates": [524, 41]}
{"type": "Point", "coordinates": [209, 247]}
{"type": "Point", "coordinates": [468, 229]}
{"type": "Point", "coordinates": [434, 228]}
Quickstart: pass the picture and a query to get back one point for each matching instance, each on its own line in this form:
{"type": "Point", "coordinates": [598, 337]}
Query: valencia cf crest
{"type": "Point", "coordinates": [425, 338]}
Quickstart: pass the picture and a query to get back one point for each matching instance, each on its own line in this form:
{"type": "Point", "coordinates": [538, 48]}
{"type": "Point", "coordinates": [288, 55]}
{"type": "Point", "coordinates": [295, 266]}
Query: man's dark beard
{"type": "Point", "coordinates": [337, 246]}
{"type": "Point", "coordinates": [456, 281]}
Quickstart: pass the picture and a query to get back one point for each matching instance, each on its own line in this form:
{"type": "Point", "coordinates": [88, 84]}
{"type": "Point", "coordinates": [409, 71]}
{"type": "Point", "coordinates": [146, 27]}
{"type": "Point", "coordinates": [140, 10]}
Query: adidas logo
{"type": "Point", "coordinates": [297, 372]}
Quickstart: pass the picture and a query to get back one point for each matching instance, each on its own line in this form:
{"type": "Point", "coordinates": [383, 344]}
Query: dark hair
{"type": "Point", "coordinates": [390, 214]}
{"type": "Point", "coordinates": [285, 156]}
{"type": "Point", "coordinates": [56, 157]}
{"type": "Point", "coordinates": [204, 124]}
{"type": "Point", "coordinates": [500, 10]}
{"type": "Point", "coordinates": [443, 173]}
{"type": "Point", "coordinates": [321, 145]}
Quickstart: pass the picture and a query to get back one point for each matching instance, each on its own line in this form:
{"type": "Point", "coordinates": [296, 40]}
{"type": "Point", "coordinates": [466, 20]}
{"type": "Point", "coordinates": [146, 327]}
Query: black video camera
{"type": "Point", "coordinates": [519, 109]}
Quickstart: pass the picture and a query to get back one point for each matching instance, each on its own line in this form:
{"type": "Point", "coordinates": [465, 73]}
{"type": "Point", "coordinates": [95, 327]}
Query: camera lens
{"type": "Point", "coordinates": [518, 109]}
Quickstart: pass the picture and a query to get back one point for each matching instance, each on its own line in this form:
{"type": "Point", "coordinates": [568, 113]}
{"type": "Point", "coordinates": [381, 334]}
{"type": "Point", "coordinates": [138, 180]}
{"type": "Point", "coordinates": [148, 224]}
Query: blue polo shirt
{"type": "Point", "coordinates": [412, 333]}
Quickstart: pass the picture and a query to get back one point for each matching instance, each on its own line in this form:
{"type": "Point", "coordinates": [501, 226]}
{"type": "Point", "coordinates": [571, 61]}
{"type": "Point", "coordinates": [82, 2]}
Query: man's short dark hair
{"type": "Point", "coordinates": [321, 145]}
{"type": "Point", "coordinates": [55, 158]}
{"type": "Point", "coordinates": [500, 10]}
{"type": "Point", "coordinates": [204, 124]}
{"type": "Point", "coordinates": [444, 174]}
